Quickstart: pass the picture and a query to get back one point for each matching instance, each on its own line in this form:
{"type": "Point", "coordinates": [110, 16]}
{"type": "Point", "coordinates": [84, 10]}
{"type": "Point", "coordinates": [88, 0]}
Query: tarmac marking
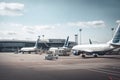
{"type": "Point", "coordinates": [105, 70]}
{"type": "Point", "coordinates": [109, 72]}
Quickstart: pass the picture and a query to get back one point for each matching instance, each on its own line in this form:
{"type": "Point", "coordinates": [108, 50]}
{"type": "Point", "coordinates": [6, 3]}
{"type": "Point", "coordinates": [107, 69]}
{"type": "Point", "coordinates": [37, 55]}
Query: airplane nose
{"type": "Point", "coordinates": [73, 47]}
{"type": "Point", "coordinates": [75, 52]}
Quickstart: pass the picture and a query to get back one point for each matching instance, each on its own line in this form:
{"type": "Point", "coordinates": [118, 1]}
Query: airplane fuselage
{"type": "Point", "coordinates": [28, 49]}
{"type": "Point", "coordinates": [31, 49]}
{"type": "Point", "coordinates": [93, 48]}
{"type": "Point", "coordinates": [98, 49]}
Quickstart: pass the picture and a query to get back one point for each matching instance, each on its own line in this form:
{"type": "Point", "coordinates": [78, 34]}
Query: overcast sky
{"type": "Point", "coordinates": [26, 19]}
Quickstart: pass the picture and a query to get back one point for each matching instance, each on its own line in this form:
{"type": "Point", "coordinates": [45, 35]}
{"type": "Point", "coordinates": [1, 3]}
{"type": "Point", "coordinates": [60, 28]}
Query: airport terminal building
{"type": "Point", "coordinates": [14, 45]}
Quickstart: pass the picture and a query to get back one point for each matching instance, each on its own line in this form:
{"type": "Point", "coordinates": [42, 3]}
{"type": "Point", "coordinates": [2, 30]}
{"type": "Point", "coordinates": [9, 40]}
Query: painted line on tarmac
{"type": "Point", "coordinates": [111, 71]}
{"type": "Point", "coordinates": [106, 72]}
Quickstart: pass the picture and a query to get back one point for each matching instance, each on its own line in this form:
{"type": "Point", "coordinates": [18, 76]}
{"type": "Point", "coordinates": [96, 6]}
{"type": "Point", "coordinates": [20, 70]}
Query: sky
{"type": "Point", "coordinates": [27, 19]}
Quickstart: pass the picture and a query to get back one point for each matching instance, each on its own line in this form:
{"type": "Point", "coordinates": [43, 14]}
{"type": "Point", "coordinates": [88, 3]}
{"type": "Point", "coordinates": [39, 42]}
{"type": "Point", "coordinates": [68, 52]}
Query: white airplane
{"type": "Point", "coordinates": [98, 49]}
{"type": "Point", "coordinates": [31, 49]}
{"type": "Point", "coordinates": [61, 50]}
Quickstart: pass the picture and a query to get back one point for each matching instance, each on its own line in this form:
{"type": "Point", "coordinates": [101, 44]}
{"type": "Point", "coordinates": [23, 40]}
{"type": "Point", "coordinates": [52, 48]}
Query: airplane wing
{"type": "Point", "coordinates": [115, 44]}
{"type": "Point", "coordinates": [87, 51]}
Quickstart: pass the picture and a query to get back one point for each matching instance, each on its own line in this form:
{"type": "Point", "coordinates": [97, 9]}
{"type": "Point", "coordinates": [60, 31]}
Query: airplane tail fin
{"type": "Point", "coordinates": [116, 38]}
{"type": "Point", "coordinates": [66, 42]}
{"type": "Point", "coordinates": [90, 41]}
{"type": "Point", "coordinates": [36, 44]}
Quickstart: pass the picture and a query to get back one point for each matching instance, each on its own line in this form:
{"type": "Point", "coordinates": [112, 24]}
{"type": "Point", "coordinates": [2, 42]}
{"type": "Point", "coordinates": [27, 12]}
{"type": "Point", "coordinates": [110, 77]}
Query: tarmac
{"type": "Point", "coordinates": [35, 67]}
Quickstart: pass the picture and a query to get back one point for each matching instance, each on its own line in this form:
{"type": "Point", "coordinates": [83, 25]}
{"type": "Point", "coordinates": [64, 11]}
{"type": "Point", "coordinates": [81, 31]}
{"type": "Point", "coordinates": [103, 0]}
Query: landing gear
{"type": "Point", "coordinates": [83, 55]}
{"type": "Point", "coordinates": [76, 53]}
{"type": "Point", "coordinates": [36, 52]}
{"type": "Point", "coordinates": [95, 55]}
{"type": "Point", "coordinates": [29, 52]}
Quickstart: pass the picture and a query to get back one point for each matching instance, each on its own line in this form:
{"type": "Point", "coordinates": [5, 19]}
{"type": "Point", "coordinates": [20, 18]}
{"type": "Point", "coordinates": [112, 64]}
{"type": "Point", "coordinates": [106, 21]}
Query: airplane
{"type": "Point", "coordinates": [98, 49]}
{"type": "Point", "coordinates": [31, 49]}
{"type": "Point", "coordinates": [61, 50]}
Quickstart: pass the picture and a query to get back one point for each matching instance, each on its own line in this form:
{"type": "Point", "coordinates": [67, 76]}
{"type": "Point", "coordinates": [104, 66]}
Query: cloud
{"type": "Point", "coordinates": [8, 32]}
{"type": "Point", "coordinates": [99, 23]}
{"type": "Point", "coordinates": [1, 33]}
{"type": "Point", "coordinates": [118, 21]}
{"type": "Point", "coordinates": [28, 29]}
{"type": "Point", "coordinates": [10, 24]}
{"type": "Point", "coordinates": [23, 29]}
{"type": "Point", "coordinates": [11, 33]}
{"type": "Point", "coordinates": [44, 27]}
{"type": "Point", "coordinates": [11, 9]}
{"type": "Point", "coordinates": [36, 28]}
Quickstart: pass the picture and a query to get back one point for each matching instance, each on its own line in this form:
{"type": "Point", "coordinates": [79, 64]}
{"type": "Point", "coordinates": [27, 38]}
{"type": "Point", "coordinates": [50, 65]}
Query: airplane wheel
{"type": "Point", "coordinates": [95, 55]}
{"type": "Point", "coordinates": [83, 56]}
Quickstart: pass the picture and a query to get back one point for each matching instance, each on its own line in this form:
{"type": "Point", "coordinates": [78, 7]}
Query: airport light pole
{"type": "Point", "coordinates": [80, 36]}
